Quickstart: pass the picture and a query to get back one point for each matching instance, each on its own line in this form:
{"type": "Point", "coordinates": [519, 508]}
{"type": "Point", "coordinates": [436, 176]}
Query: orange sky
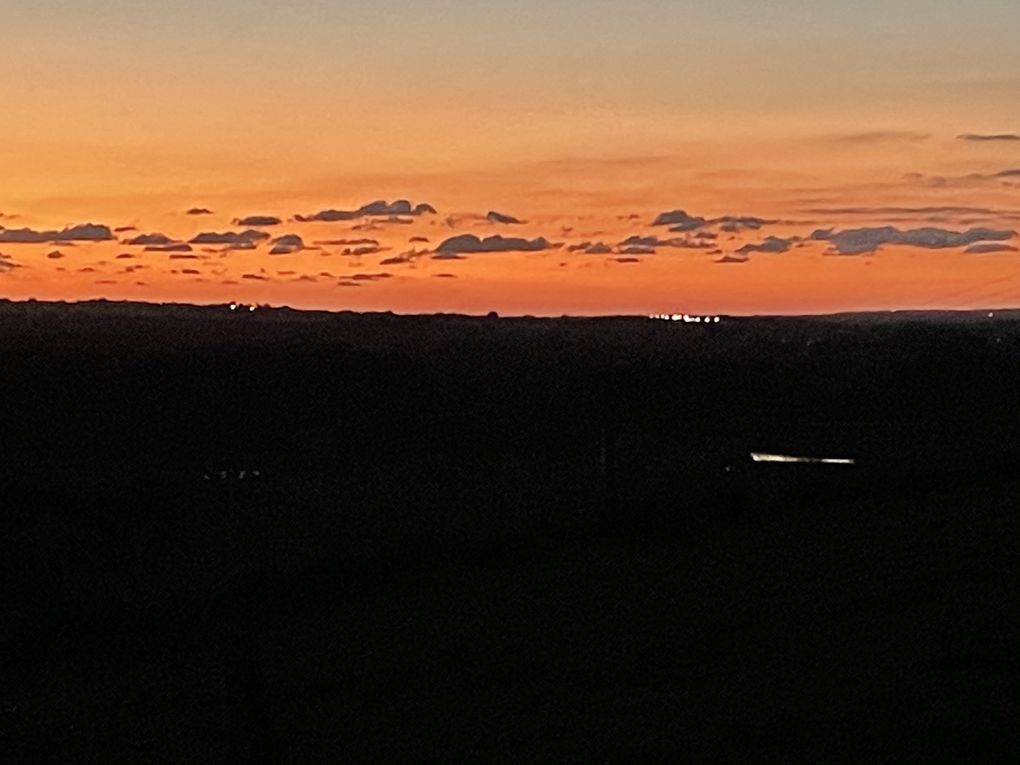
{"type": "Point", "coordinates": [585, 122]}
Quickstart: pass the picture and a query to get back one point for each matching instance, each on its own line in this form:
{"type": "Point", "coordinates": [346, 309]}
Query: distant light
{"type": "Point", "coordinates": [761, 457]}
{"type": "Point", "coordinates": [251, 308]}
{"type": "Point", "coordinates": [233, 306]}
{"type": "Point", "coordinates": [991, 314]}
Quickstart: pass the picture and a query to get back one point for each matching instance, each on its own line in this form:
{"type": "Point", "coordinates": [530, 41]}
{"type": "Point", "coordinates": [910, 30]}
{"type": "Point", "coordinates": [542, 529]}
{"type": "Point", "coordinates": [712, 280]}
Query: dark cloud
{"type": "Point", "coordinates": [444, 276]}
{"type": "Point", "coordinates": [413, 239]}
{"type": "Point", "coordinates": [731, 259]}
{"type": "Point", "coordinates": [395, 260]}
{"type": "Point", "coordinates": [980, 137]}
{"type": "Point", "coordinates": [495, 217]}
{"type": "Point", "coordinates": [183, 256]}
{"type": "Point", "coordinates": [627, 260]}
{"type": "Point", "coordinates": [371, 277]}
{"type": "Point", "coordinates": [258, 220]}
{"type": "Point", "coordinates": [1008, 174]}
{"type": "Point", "coordinates": [287, 245]}
{"type": "Point", "coordinates": [348, 242]}
{"type": "Point", "coordinates": [988, 248]}
{"type": "Point", "coordinates": [469, 243]}
{"type": "Point", "coordinates": [637, 249]}
{"type": "Point", "coordinates": [172, 247]}
{"type": "Point", "coordinates": [199, 211]}
{"type": "Point", "coordinates": [865, 240]}
{"type": "Point", "coordinates": [596, 248]}
{"type": "Point", "coordinates": [679, 220]}
{"type": "Point", "coordinates": [190, 271]}
{"type": "Point", "coordinates": [243, 240]}
{"type": "Point", "coordinates": [733, 224]}
{"type": "Point", "coordinates": [7, 263]}
{"type": "Point", "coordinates": [55, 255]}
{"type": "Point", "coordinates": [123, 229]}
{"type": "Point", "coordinates": [255, 277]}
{"type": "Point", "coordinates": [346, 283]}
{"type": "Point", "coordinates": [355, 252]}
{"type": "Point", "coordinates": [125, 256]}
{"type": "Point", "coordinates": [86, 232]}
{"type": "Point", "coordinates": [151, 239]}
{"type": "Point", "coordinates": [379, 208]}
{"type": "Point", "coordinates": [444, 256]}
{"type": "Point", "coordinates": [770, 244]}
{"type": "Point", "coordinates": [651, 242]}
{"type": "Point", "coordinates": [640, 241]}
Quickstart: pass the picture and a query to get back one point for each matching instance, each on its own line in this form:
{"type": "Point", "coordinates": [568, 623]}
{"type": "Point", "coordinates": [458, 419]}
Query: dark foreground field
{"type": "Point", "coordinates": [289, 537]}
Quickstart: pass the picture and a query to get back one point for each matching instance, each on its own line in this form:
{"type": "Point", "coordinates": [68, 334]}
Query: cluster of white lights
{"type": "Point", "coordinates": [686, 318]}
{"type": "Point", "coordinates": [242, 306]}
{"type": "Point", "coordinates": [762, 457]}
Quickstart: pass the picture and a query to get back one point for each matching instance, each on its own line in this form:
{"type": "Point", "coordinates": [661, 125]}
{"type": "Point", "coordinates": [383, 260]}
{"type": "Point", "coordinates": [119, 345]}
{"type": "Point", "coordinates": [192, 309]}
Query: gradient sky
{"type": "Point", "coordinates": [584, 119]}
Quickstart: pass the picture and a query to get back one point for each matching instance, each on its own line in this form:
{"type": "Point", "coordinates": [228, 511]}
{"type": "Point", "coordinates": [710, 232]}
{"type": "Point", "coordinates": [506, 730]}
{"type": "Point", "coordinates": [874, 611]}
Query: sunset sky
{"type": "Point", "coordinates": [799, 156]}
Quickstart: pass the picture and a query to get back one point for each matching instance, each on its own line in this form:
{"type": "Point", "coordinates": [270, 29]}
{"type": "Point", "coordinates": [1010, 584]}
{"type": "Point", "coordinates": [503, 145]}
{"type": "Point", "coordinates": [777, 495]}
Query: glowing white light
{"type": "Point", "coordinates": [762, 457]}
{"type": "Point", "coordinates": [251, 308]}
{"type": "Point", "coordinates": [716, 319]}
{"type": "Point", "coordinates": [233, 306]}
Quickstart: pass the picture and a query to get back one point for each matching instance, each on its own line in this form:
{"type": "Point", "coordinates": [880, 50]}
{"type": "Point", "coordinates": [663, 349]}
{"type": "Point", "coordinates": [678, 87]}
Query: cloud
{"type": "Point", "coordinates": [1008, 174]}
{"type": "Point", "coordinates": [122, 229]}
{"type": "Point", "coordinates": [371, 277]}
{"type": "Point", "coordinates": [414, 239]}
{"type": "Point", "coordinates": [733, 224]}
{"type": "Point", "coordinates": [7, 263]}
{"type": "Point", "coordinates": [885, 211]}
{"type": "Point", "coordinates": [732, 259]}
{"type": "Point", "coordinates": [651, 242]}
{"type": "Point", "coordinates": [347, 242]}
{"type": "Point", "coordinates": [243, 240]}
{"type": "Point", "coordinates": [199, 211]}
{"type": "Point", "coordinates": [379, 208]}
{"type": "Point", "coordinates": [172, 247]}
{"type": "Point", "coordinates": [866, 240]}
{"type": "Point", "coordinates": [771, 244]}
{"type": "Point", "coordinates": [679, 220]}
{"type": "Point", "coordinates": [255, 277]}
{"type": "Point", "coordinates": [86, 232]}
{"type": "Point", "coordinates": [258, 220]}
{"type": "Point", "coordinates": [356, 252]}
{"type": "Point", "coordinates": [640, 241]}
{"type": "Point", "coordinates": [979, 137]}
{"type": "Point", "coordinates": [444, 276]}
{"type": "Point", "coordinates": [150, 239]}
{"type": "Point", "coordinates": [495, 217]}
{"type": "Point", "coordinates": [190, 271]}
{"type": "Point", "coordinates": [470, 243]}
{"type": "Point", "coordinates": [55, 255]}
{"type": "Point", "coordinates": [627, 260]}
{"type": "Point", "coordinates": [183, 256]}
{"type": "Point", "coordinates": [597, 248]}
{"type": "Point", "coordinates": [987, 248]}
{"type": "Point", "coordinates": [443, 256]}
{"type": "Point", "coordinates": [287, 245]}
{"type": "Point", "coordinates": [637, 249]}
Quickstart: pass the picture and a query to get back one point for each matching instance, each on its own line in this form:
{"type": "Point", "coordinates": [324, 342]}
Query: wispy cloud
{"type": "Point", "coordinates": [993, 137]}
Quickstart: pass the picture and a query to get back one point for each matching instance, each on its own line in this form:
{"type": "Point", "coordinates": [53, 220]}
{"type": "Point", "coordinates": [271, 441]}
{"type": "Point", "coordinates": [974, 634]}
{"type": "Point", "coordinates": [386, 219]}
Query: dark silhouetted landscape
{"type": "Point", "coordinates": [283, 536]}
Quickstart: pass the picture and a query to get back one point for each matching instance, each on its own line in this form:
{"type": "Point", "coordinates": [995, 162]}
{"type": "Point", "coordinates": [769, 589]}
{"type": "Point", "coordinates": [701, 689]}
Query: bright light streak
{"type": "Point", "coordinates": [761, 457]}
